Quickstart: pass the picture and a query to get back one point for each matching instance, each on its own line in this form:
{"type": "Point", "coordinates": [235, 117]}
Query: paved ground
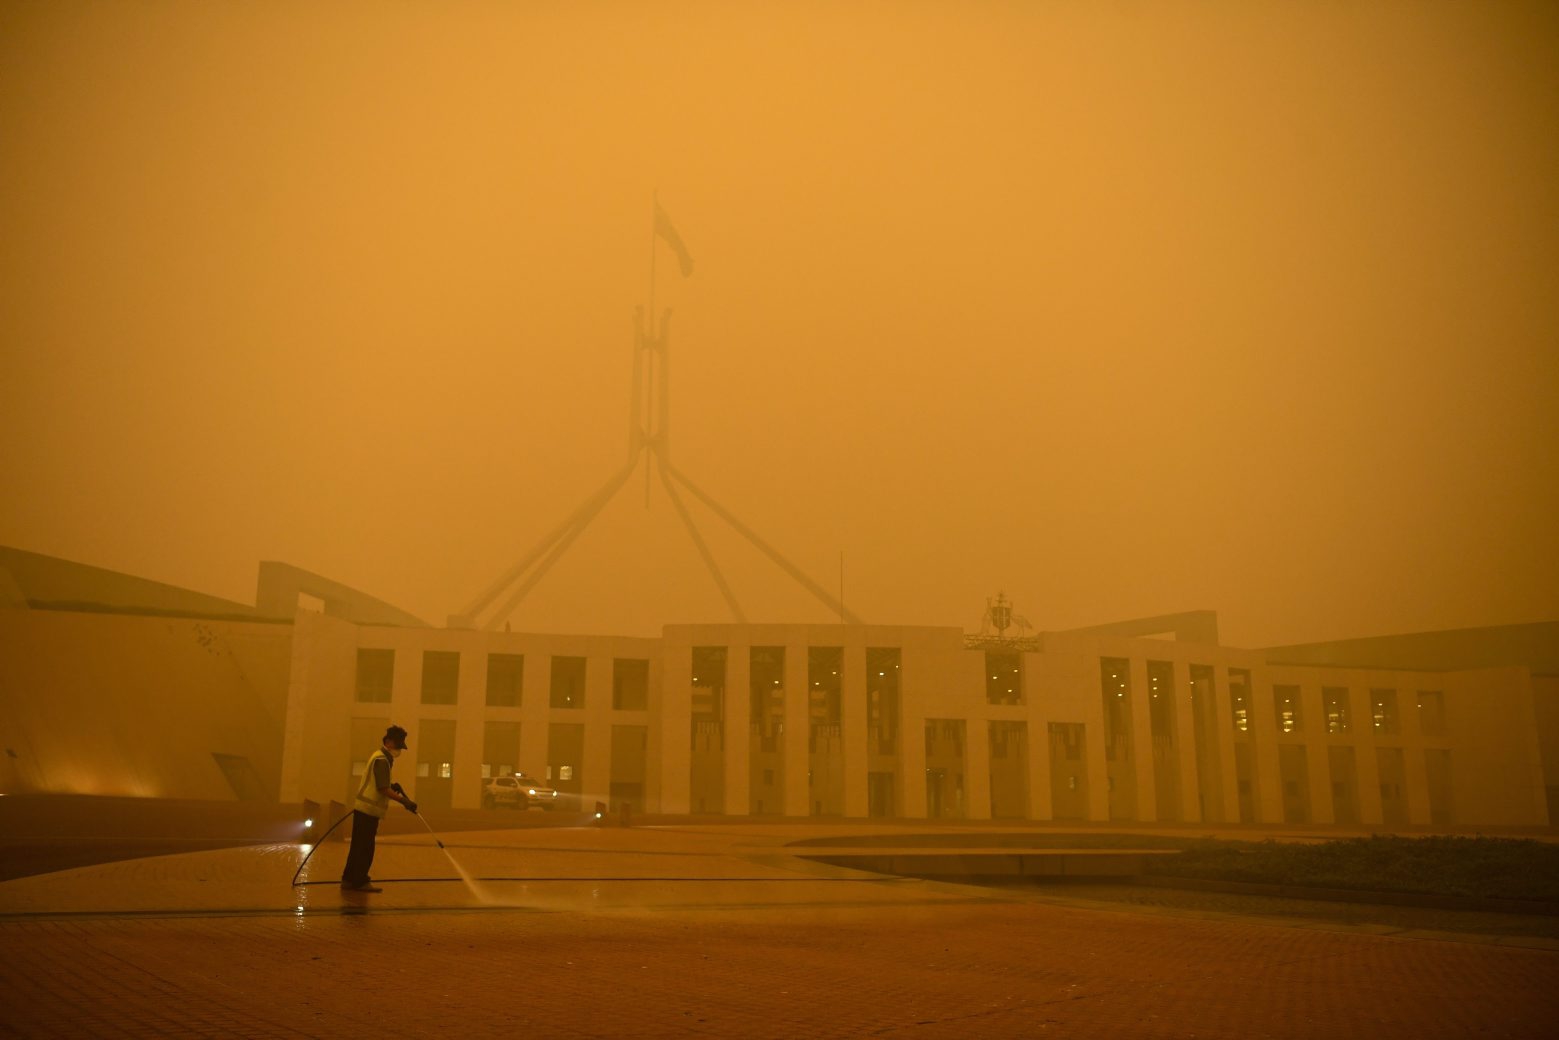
{"type": "Point", "coordinates": [720, 932]}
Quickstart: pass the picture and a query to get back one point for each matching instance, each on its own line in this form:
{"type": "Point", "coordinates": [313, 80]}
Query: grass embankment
{"type": "Point", "coordinates": [1485, 868]}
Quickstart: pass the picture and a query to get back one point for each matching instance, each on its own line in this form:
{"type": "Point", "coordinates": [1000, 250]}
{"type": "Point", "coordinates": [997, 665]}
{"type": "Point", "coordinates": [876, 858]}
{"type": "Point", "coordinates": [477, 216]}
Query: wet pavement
{"type": "Point", "coordinates": [724, 931]}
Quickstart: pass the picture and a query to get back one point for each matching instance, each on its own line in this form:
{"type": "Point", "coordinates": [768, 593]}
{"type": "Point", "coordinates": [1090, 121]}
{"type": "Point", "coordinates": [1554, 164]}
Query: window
{"type": "Point", "coordinates": [565, 753]}
{"type": "Point", "coordinates": [882, 697]}
{"type": "Point", "coordinates": [568, 682]}
{"type": "Point", "coordinates": [1115, 696]}
{"type": "Point", "coordinates": [1003, 677]}
{"type": "Point", "coordinates": [440, 676]}
{"type": "Point", "coordinates": [375, 675]}
{"type": "Point", "coordinates": [766, 688]}
{"type": "Point", "coordinates": [1285, 708]}
{"type": "Point", "coordinates": [630, 684]}
{"type": "Point", "coordinates": [825, 685]}
{"type": "Point", "coordinates": [1431, 713]}
{"type": "Point", "coordinates": [505, 677]}
{"type": "Point", "coordinates": [1239, 698]}
{"type": "Point", "coordinates": [1336, 700]}
{"type": "Point", "coordinates": [708, 700]}
{"type": "Point", "coordinates": [1383, 710]}
{"type": "Point", "coordinates": [1161, 700]}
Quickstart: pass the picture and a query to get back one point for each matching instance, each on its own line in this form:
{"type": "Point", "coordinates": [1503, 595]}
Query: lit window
{"type": "Point", "coordinates": [1336, 700]}
{"type": "Point", "coordinates": [1383, 710]}
{"type": "Point", "coordinates": [1285, 708]}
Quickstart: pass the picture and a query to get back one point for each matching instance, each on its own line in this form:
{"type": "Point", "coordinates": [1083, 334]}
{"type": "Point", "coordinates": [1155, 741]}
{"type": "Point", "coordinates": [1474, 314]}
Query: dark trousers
{"type": "Point", "coordinates": [360, 857]}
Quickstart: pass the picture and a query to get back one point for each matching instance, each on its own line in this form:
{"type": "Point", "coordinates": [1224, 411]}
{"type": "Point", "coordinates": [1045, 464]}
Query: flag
{"type": "Point", "coordinates": [664, 229]}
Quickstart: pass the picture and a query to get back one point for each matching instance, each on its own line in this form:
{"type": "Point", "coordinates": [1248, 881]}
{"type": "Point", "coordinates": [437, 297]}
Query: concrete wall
{"type": "Point", "coordinates": [1497, 763]}
{"type": "Point", "coordinates": [115, 704]}
{"type": "Point", "coordinates": [1545, 704]}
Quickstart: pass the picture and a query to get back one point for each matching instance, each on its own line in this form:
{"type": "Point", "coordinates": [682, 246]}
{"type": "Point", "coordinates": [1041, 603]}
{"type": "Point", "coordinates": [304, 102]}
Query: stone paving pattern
{"type": "Point", "coordinates": [707, 932]}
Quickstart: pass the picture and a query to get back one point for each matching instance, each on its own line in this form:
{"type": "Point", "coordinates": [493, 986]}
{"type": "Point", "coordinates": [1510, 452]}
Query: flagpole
{"type": "Point", "coordinates": [649, 372]}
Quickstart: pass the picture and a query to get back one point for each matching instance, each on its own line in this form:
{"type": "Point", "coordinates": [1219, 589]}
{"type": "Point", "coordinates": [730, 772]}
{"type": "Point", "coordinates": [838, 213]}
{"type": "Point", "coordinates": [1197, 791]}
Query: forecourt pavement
{"type": "Point", "coordinates": [714, 931]}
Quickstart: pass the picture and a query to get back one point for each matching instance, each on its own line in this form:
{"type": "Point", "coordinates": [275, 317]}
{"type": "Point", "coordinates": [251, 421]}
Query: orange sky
{"type": "Point", "coordinates": [1122, 308]}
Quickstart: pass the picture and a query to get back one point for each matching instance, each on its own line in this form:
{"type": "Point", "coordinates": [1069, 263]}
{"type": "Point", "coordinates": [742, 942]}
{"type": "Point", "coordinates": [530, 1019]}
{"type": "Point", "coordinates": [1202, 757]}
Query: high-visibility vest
{"type": "Point", "coordinates": [370, 799]}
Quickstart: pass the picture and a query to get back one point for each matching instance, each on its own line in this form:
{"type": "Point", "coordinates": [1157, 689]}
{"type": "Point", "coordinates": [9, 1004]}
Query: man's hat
{"type": "Point", "coordinates": [395, 737]}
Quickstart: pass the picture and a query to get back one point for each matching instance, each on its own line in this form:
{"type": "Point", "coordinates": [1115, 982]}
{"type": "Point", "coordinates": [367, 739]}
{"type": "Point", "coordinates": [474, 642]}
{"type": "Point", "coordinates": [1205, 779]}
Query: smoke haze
{"type": "Point", "coordinates": [1120, 308]}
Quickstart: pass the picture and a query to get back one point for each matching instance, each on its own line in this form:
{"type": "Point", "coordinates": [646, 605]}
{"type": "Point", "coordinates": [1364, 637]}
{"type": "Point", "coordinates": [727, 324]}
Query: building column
{"type": "Point", "coordinates": [307, 639]}
{"type": "Point", "coordinates": [597, 762]}
{"type": "Point", "coordinates": [1041, 805]}
{"type": "Point", "coordinates": [852, 729]}
{"type": "Point", "coordinates": [1185, 744]}
{"type": "Point", "coordinates": [470, 712]}
{"type": "Point", "coordinates": [1095, 757]}
{"type": "Point", "coordinates": [1266, 764]}
{"type": "Point", "coordinates": [1223, 731]}
{"type": "Point", "coordinates": [405, 707]}
{"type": "Point", "coordinates": [1142, 740]}
{"type": "Point", "coordinates": [1415, 771]}
{"type": "Point", "coordinates": [1366, 766]}
{"type": "Point", "coordinates": [676, 722]}
{"type": "Point", "coordinates": [977, 769]}
{"type": "Point", "coordinates": [798, 792]}
{"type": "Point", "coordinates": [738, 730]}
{"type": "Point", "coordinates": [911, 794]}
{"type": "Point", "coordinates": [1318, 758]}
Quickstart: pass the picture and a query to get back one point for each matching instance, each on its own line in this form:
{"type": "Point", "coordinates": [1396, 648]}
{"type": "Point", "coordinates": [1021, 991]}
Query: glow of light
{"type": "Point", "coordinates": [308, 823]}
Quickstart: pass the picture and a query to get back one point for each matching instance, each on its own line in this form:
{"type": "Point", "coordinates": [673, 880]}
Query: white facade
{"type": "Point", "coordinates": [858, 721]}
{"type": "Point", "coordinates": [114, 685]}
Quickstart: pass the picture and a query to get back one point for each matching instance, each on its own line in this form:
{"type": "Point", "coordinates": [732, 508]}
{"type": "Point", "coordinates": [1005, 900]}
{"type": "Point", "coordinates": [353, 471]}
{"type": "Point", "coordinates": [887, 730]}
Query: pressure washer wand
{"type": "Point", "coordinates": [411, 807]}
{"type": "Point", "coordinates": [429, 826]}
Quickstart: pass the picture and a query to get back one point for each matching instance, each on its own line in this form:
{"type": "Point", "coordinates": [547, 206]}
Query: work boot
{"type": "Point", "coordinates": [366, 886]}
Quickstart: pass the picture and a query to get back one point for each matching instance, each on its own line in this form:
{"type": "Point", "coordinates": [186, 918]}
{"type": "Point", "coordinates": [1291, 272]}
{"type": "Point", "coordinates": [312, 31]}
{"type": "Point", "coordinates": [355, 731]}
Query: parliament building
{"type": "Point", "coordinates": [118, 685]}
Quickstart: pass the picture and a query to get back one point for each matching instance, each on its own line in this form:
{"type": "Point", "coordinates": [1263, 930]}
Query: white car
{"type": "Point", "coordinates": [518, 792]}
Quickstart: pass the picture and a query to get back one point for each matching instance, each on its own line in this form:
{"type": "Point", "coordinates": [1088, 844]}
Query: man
{"type": "Point", "coordinates": [373, 801]}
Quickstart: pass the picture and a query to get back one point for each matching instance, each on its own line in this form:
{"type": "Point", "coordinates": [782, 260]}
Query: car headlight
{"type": "Point", "coordinates": [533, 792]}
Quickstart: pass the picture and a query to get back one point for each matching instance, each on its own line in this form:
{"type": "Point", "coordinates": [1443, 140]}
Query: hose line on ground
{"type": "Point", "coordinates": [316, 846]}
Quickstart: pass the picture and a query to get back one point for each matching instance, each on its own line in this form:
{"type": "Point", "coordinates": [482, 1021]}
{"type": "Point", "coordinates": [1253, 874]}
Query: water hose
{"type": "Point", "coordinates": [338, 823]}
{"type": "Point", "coordinates": [316, 846]}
